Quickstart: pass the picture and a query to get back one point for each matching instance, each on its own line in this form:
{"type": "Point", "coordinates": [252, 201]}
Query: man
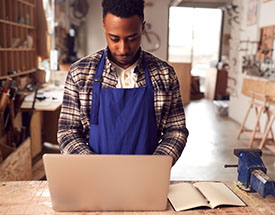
{"type": "Point", "coordinates": [122, 100]}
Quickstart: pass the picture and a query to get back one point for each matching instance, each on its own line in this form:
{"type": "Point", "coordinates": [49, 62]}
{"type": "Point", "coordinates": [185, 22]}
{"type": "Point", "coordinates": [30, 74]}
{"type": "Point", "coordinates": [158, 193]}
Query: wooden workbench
{"type": "Point", "coordinates": [44, 120]}
{"type": "Point", "coordinates": [33, 198]}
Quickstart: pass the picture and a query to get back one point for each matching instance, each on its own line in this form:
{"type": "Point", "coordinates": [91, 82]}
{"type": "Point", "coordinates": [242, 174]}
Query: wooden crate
{"type": "Point", "coordinates": [17, 163]}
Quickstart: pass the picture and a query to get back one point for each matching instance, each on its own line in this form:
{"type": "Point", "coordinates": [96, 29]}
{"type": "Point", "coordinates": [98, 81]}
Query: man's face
{"type": "Point", "coordinates": [123, 37]}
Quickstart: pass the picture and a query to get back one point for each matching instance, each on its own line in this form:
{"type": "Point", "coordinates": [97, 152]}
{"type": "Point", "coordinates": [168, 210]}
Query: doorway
{"type": "Point", "coordinates": [194, 37]}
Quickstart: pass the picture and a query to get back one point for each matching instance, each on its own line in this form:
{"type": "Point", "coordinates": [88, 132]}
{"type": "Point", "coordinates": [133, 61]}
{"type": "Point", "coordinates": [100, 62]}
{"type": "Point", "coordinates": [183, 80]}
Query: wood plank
{"type": "Point", "coordinates": [12, 53]}
{"type": "Point", "coordinates": [42, 106]}
{"type": "Point", "coordinates": [18, 165]}
{"type": "Point", "coordinates": [2, 8]}
{"type": "Point", "coordinates": [1, 59]}
{"type": "Point", "coordinates": [17, 60]}
{"type": "Point", "coordinates": [9, 62]}
{"type": "Point", "coordinates": [38, 171]}
{"type": "Point", "coordinates": [26, 3]}
{"type": "Point", "coordinates": [36, 133]}
{"type": "Point", "coordinates": [2, 66]}
{"type": "Point", "coordinates": [5, 70]}
{"type": "Point", "coordinates": [16, 24]}
{"type": "Point", "coordinates": [210, 83]}
{"type": "Point", "coordinates": [50, 125]}
{"type": "Point", "coordinates": [266, 42]}
{"type": "Point", "coordinates": [258, 88]}
{"type": "Point", "coordinates": [5, 30]}
{"type": "Point", "coordinates": [221, 84]}
{"type": "Point", "coordinates": [15, 10]}
{"type": "Point", "coordinates": [252, 85]}
{"type": "Point", "coordinates": [183, 71]}
{"type": "Point", "coordinates": [32, 17]}
{"type": "Point", "coordinates": [18, 74]}
{"type": "Point", "coordinates": [28, 198]}
{"type": "Point", "coordinates": [4, 148]}
{"type": "Point", "coordinates": [12, 9]}
{"type": "Point", "coordinates": [2, 36]}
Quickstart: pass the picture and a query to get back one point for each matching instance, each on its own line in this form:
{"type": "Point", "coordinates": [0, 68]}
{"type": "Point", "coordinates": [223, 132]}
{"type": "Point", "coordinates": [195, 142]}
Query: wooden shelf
{"type": "Point", "coordinates": [17, 49]}
{"type": "Point", "coordinates": [18, 61]}
{"type": "Point", "coordinates": [26, 3]}
{"type": "Point", "coordinates": [18, 74]}
{"type": "Point", "coordinates": [16, 24]}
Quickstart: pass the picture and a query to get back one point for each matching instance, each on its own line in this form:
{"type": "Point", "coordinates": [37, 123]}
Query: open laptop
{"type": "Point", "coordinates": [108, 182]}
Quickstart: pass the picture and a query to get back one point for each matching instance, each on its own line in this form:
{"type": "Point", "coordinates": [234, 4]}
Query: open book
{"type": "Point", "coordinates": [186, 195]}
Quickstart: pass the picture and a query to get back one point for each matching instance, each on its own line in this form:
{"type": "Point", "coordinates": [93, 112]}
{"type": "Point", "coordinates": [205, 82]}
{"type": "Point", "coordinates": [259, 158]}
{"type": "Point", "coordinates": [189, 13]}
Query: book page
{"type": "Point", "coordinates": [185, 196]}
{"type": "Point", "coordinates": [218, 194]}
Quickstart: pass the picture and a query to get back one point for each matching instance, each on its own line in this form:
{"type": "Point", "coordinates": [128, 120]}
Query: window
{"type": "Point", "coordinates": [194, 36]}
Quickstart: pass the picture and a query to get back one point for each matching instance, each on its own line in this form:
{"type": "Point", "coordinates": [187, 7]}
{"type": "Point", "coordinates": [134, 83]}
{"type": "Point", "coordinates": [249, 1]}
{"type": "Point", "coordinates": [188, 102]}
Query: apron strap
{"type": "Point", "coordinates": [147, 76]}
{"type": "Point", "coordinates": [96, 90]}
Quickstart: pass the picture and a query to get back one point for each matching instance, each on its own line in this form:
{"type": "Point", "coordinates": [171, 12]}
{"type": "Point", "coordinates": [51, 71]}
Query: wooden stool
{"type": "Point", "coordinates": [260, 108]}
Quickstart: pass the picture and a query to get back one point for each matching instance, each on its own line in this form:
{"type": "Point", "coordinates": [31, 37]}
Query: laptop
{"type": "Point", "coordinates": [108, 182]}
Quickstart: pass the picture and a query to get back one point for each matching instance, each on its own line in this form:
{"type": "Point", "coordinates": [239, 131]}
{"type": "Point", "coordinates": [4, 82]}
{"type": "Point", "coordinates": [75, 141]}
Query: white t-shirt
{"type": "Point", "coordinates": [126, 77]}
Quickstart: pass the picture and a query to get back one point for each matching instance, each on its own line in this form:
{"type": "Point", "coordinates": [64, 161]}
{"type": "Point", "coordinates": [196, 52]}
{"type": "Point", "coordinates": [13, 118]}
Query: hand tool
{"type": "Point", "coordinates": [1, 157]}
{"type": "Point", "coordinates": [19, 99]}
{"type": "Point", "coordinates": [3, 103]}
{"type": "Point", "coordinates": [252, 172]}
{"type": "Point", "coordinates": [15, 132]}
{"type": "Point", "coordinates": [29, 118]}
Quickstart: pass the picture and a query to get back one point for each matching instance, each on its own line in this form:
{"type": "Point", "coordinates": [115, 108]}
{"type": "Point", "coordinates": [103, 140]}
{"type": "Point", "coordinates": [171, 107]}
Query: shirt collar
{"type": "Point", "coordinates": [111, 68]}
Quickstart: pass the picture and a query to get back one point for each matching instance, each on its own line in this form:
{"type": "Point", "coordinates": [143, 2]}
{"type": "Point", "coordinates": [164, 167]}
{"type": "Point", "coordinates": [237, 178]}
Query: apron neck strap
{"type": "Point", "coordinates": [100, 67]}
{"type": "Point", "coordinates": [145, 68]}
{"type": "Point", "coordinates": [96, 90]}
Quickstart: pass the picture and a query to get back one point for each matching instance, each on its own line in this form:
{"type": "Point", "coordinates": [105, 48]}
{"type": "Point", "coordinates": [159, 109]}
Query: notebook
{"type": "Point", "coordinates": [185, 195]}
{"type": "Point", "coordinates": [108, 182]}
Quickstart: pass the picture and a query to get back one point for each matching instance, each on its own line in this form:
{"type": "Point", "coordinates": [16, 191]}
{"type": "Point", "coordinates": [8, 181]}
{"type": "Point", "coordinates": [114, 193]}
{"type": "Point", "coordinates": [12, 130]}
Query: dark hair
{"type": "Point", "coordinates": [123, 8]}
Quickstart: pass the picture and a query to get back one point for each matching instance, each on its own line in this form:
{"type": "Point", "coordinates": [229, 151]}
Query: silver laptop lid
{"type": "Point", "coordinates": [108, 182]}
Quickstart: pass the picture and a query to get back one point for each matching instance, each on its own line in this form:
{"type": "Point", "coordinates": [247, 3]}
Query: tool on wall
{"type": "Point", "coordinates": [4, 100]}
{"type": "Point", "coordinates": [80, 8]}
{"type": "Point", "coordinates": [31, 112]}
{"type": "Point", "coordinates": [233, 12]}
{"type": "Point", "coordinates": [150, 40]}
{"type": "Point", "coordinates": [11, 99]}
{"type": "Point", "coordinates": [252, 172]}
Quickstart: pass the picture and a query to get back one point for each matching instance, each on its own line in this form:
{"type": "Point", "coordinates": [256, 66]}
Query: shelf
{"type": "Point", "coordinates": [17, 49]}
{"type": "Point", "coordinates": [16, 24]}
{"type": "Point", "coordinates": [18, 74]}
{"type": "Point", "coordinates": [26, 3]}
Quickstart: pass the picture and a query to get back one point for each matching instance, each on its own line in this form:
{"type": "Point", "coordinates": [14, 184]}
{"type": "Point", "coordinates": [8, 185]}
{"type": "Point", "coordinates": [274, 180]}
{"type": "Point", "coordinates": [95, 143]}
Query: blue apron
{"type": "Point", "coordinates": [122, 121]}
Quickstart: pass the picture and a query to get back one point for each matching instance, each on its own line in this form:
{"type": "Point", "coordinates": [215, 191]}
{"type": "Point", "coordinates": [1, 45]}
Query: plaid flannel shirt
{"type": "Point", "coordinates": [74, 121]}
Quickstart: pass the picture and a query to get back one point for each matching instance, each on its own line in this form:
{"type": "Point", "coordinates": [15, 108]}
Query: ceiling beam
{"type": "Point", "coordinates": [199, 3]}
{"type": "Point", "coordinates": [175, 3]}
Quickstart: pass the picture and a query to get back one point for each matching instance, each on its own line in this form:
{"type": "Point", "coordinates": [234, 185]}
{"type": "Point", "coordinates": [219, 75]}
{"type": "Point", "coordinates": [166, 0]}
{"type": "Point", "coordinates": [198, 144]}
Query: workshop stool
{"type": "Point", "coordinates": [260, 109]}
{"type": "Point", "coordinates": [267, 130]}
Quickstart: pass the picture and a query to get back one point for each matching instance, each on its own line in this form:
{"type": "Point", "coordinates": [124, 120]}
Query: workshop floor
{"type": "Point", "coordinates": [210, 145]}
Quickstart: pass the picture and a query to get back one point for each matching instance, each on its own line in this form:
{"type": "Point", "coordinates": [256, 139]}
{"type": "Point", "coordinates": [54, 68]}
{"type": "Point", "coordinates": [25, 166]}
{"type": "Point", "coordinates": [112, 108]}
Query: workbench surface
{"type": "Point", "coordinates": [33, 198]}
{"type": "Point", "coordinates": [51, 98]}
